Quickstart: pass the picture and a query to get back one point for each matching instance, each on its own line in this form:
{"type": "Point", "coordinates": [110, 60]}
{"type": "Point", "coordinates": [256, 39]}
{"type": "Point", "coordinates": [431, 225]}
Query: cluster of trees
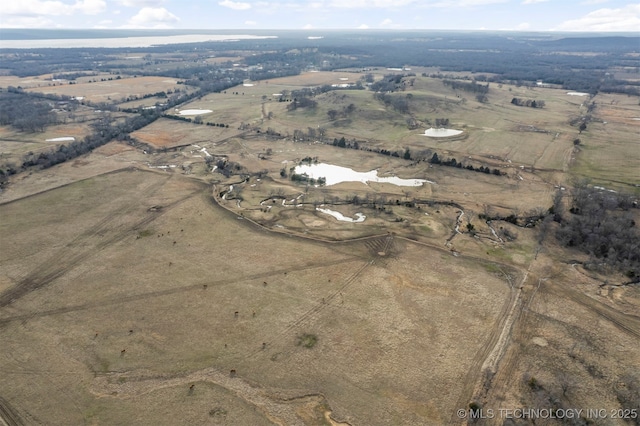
{"type": "Point", "coordinates": [302, 102]}
{"type": "Point", "coordinates": [390, 83]}
{"type": "Point", "coordinates": [532, 103]}
{"type": "Point", "coordinates": [226, 167]}
{"type": "Point", "coordinates": [343, 113]}
{"type": "Point", "coordinates": [600, 223]}
{"type": "Point", "coordinates": [442, 122]}
{"type": "Point", "coordinates": [397, 102]}
{"type": "Point", "coordinates": [472, 87]}
{"type": "Point", "coordinates": [453, 163]}
{"type": "Point", "coordinates": [217, 124]}
{"type": "Point", "coordinates": [314, 91]}
{"type": "Point", "coordinates": [25, 112]}
{"type": "Point", "coordinates": [304, 178]}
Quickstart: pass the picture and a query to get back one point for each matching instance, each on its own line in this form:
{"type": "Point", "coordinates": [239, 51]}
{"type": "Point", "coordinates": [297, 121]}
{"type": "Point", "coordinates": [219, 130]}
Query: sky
{"type": "Point", "coordinates": [510, 15]}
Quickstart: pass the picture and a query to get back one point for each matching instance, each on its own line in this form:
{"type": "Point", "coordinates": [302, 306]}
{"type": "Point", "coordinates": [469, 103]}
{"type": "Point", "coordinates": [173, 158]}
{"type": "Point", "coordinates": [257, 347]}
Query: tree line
{"type": "Point", "coordinates": [472, 87]}
{"type": "Point", "coordinates": [531, 103]}
{"type": "Point", "coordinates": [406, 154]}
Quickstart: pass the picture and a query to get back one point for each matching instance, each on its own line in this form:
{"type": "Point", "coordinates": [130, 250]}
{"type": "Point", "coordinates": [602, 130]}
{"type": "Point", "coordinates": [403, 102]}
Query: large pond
{"type": "Point", "coordinates": [336, 174]}
{"type": "Point", "coordinates": [441, 133]}
{"type": "Point", "coordinates": [62, 139]}
{"type": "Point", "coordinates": [577, 94]}
{"type": "Point", "coordinates": [194, 111]}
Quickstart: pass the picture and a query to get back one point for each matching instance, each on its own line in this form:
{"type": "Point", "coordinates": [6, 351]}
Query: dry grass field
{"type": "Point", "coordinates": [145, 279]}
{"type": "Point", "coordinates": [610, 151]}
{"type": "Point", "coordinates": [167, 133]}
{"type": "Point", "coordinates": [15, 144]}
{"type": "Point", "coordinates": [111, 90]}
{"type": "Point", "coordinates": [143, 286]}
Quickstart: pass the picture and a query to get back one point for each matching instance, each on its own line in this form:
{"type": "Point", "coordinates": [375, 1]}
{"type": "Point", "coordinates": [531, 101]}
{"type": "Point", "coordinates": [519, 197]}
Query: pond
{"type": "Point", "coordinates": [359, 216]}
{"type": "Point", "coordinates": [337, 174]}
{"type": "Point", "coordinates": [577, 94]}
{"type": "Point", "coordinates": [62, 139]}
{"type": "Point", "coordinates": [195, 111]}
{"type": "Point", "coordinates": [441, 132]}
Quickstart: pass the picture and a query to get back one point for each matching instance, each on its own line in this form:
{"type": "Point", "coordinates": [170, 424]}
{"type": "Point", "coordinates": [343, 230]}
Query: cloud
{"type": "Point", "coordinates": [368, 4]}
{"type": "Point", "coordinates": [534, 1]}
{"type": "Point", "coordinates": [27, 22]}
{"type": "Point", "coordinates": [466, 3]}
{"type": "Point", "coordinates": [235, 5]}
{"type": "Point", "coordinates": [152, 17]}
{"type": "Point", "coordinates": [622, 19]}
{"type": "Point", "coordinates": [141, 3]}
{"type": "Point", "coordinates": [587, 2]}
{"type": "Point", "coordinates": [363, 27]}
{"type": "Point", "coordinates": [308, 27]}
{"type": "Point", "coordinates": [90, 7]}
{"type": "Point", "coordinates": [386, 22]}
{"type": "Point", "coordinates": [104, 24]}
{"type": "Point", "coordinates": [51, 7]}
{"type": "Point", "coordinates": [250, 23]}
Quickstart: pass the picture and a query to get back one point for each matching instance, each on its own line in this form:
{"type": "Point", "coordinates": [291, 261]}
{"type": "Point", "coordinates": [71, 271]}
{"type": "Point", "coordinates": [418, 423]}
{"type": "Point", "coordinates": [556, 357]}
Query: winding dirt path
{"type": "Point", "coordinates": [279, 409]}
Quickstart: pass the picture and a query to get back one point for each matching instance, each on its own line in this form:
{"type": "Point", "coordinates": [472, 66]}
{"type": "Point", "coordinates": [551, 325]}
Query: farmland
{"type": "Point", "coordinates": [185, 272]}
{"type": "Point", "coordinates": [103, 88]}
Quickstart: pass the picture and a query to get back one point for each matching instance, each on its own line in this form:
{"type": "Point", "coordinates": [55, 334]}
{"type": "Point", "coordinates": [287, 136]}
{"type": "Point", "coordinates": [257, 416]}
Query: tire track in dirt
{"type": "Point", "coordinates": [8, 415]}
{"type": "Point", "coordinates": [494, 345]}
{"type": "Point", "coordinates": [521, 332]}
{"type": "Point", "coordinates": [72, 254]}
{"type": "Point", "coordinates": [160, 293]}
{"type": "Point", "coordinates": [528, 321]}
{"type": "Point", "coordinates": [628, 323]}
{"type": "Point", "coordinates": [381, 244]}
{"type": "Point", "coordinates": [312, 313]}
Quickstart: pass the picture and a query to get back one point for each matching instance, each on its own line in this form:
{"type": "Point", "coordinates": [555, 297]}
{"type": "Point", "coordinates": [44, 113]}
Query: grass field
{"type": "Point", "coordinates": [14, 144]}
{"type": "Point", "coordinates": [150, 266]}
{"type": "Point", "coordinates": [609, 152]}
{"type": "Point", "coordinates": [167, 133]}
{"type": "Point", "coordinates": [111, 90]}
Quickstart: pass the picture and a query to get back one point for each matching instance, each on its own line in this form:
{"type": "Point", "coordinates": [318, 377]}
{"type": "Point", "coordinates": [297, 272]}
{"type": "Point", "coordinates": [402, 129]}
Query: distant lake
{"type": "Point", "coordinates": [115, 42]}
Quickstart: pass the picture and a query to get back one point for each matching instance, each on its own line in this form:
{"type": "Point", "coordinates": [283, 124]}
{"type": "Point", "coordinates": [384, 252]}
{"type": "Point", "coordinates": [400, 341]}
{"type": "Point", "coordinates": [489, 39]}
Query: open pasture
{"type": "Point", "coordinates": [149, 295]}
{"type": "Point", "coordinates": [25, 82]}
{"type": "Point", "coordinates": [311, 79]}
{"type": "Point", "coordinates": [234, 106]}
{"type": "Point", "coordinates": [533, 137]}
{"type": "Point", "coordinates": [609, 152]}
{"type": "Point", "coordinates": [14, 145]}
{"type": "Point", "coordinates": [112, 90]}
{"type": "Point", "coordinates": [168, 133]}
